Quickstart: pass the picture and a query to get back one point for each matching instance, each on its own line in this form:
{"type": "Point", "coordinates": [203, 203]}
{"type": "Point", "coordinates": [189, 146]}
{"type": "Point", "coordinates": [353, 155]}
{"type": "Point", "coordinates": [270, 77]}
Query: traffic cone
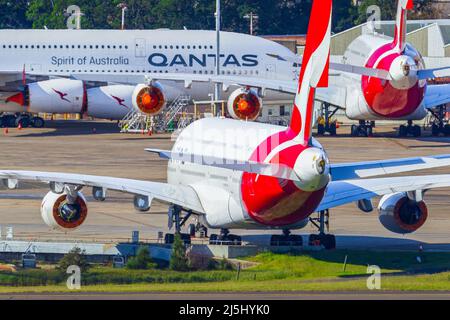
{"type": "Point", "coordinates": [6, 131]}
{"type": "Point", "coordinates": [19, 127]}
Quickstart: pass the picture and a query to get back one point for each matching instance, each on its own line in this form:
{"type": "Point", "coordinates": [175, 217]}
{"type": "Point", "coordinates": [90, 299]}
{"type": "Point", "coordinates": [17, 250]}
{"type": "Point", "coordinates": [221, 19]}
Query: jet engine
{"type": "Point", "coordinates": [244, 104]}
{"type": "Point", "coordinates": [399, 214]}
{"type": "Point", "coordinates": [56, 96]}
{"type": "Point", "coordinates": [62, 213]}
{"type": "Point", "coordinates": [149, 99]}
{"type": "Point", "coordinates": [110, 102]}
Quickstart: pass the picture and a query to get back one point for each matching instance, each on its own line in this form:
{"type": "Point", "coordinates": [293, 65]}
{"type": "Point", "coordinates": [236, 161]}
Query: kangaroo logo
{"type": "Point", "coordinates": [120, 101]}
{"type": "Point", "coordinates": [62, 95]}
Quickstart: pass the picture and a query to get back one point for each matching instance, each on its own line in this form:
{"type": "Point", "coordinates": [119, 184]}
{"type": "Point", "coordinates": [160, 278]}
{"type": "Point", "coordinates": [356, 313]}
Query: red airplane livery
{"type": "Point", "coordinates": [232, 174]}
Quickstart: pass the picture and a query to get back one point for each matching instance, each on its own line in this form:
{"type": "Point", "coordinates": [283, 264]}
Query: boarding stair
{"type": "Point", "coordinates": [137, 122]}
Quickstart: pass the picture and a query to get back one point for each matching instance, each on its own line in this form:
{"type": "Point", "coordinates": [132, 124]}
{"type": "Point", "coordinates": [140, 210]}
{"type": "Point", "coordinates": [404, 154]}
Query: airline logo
{"type": "Point", "coordinates": [62, 95]}
{"type": "Point", "coordinates": [202, 60]}
{"type": "Point", "coordinates": [120, 101]}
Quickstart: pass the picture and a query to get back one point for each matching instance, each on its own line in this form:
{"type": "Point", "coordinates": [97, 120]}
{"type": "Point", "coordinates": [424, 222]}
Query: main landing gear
{"type": "Point", "coordinates": [325, 123]}
{"type": "Point", "coordinates": [439, 126]}
{"type": "Point", "coordinates": [286, 239]}
{"type": "Point", "coordinates": [22, 120]}
{"type": "Point", "coordinates": [364, 129]}
{"type": "Point", "coordinates": [177, 221]}
{"type": "Point", "coordinates": [410, 130]}
{"type": "Point", "coordinates": [328, 241]}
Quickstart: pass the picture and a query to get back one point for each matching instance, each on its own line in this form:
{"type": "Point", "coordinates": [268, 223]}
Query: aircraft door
{"type": "Point", "coordinates": [140, 45]}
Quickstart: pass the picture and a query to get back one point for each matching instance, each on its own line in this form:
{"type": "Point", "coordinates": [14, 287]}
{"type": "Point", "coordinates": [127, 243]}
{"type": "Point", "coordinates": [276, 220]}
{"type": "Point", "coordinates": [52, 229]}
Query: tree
{"type": "Point", "coordinates": [13, 14]}
{"type": "Point", "coordinates": [178, 259]}
{"type": "Point", "coordinates": [76, 257]}
{"type": "Point", "coordinates": [423, 9]}
{"type": "Point", "coordinates": [142, 260]}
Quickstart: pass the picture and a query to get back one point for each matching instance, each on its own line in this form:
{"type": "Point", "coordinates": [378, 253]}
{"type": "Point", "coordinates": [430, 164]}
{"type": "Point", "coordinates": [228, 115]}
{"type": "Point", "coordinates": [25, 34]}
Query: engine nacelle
{"type": "Point", "coordinates": [110, 102]}
{"type": "Point", "coordinates": [244, 104]}
{"type": "Point", "coordinates": [149, 99]}
{"type": "Point", "coordinates": [56, 96]}
{"type": "Point", "coordinates": [59, 214]}
{"type": "Point", "coordinates": [401, 215]}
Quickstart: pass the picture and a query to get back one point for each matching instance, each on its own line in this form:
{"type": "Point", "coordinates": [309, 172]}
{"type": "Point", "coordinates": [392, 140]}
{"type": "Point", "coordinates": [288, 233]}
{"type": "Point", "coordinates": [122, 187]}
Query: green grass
{"type": "Point", "coordinates": [316, 271]}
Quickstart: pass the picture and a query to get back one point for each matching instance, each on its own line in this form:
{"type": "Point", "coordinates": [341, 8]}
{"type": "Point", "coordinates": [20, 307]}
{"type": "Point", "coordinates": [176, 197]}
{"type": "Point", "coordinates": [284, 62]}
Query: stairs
{"type": "Point", "coordinates": [137, 122]}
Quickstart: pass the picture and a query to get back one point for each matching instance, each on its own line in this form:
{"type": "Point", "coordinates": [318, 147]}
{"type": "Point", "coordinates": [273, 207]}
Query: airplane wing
{"type": "Point", "coordinates": [264, 169]}
{"type": "Point", "coordinates": [437, 95]}
{"type": "Point", "coordinates": [348, 191]}
{"type": "Point", "coordinates": [174, 194]}
{"type": "Point", "coordinates": [347, 171]}
{"type": "Point", "coordinates": [339, 172]}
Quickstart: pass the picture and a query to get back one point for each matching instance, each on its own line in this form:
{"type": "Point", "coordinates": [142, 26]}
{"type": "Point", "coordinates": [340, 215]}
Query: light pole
{"type": "Point", "coordinates": [252, 17]}
{"type": "Point", "coordinates": [217, 86]}
{"type": "Point", "coordinates": [123, 7]}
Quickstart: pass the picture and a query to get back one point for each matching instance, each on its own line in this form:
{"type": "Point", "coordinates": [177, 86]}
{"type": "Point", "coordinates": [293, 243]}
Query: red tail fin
{"type": "Point", "coordinates": [400, 24]}
{"type": "Point", "coordinates": [315, 65]}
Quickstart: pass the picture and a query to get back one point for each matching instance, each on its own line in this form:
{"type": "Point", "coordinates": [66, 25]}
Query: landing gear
{"type": "Point", "coordinates": [198, 230]}
{"type": "Point", "coordinates": [225, 238]}
{"type": "Point", "coordinates": [286, 239]}
{"type": "Point", "coordinates": [439, 126]}
{"type": "Point", "coordinates": [364, 129]}
{"type": "Point", "coordinates": [410, 130]}
{"type": "Point", "coordinates": [328, 241]}
{"type": "Point", "coordinates": [8, 121]}
{"type": "Point", "coordinates": [23, 121]}
{"type": "Point", "coordinates": [37, 122]}
{"type": "Point", "coordinates": [325, 125]}
{"type": "Point", "coordinates": [176, 220]}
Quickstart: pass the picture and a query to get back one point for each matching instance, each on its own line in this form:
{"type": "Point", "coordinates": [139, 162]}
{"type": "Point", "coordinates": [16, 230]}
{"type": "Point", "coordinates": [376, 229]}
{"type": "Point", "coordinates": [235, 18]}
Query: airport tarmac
{"type": "Point", "coordinates": [69, 146]}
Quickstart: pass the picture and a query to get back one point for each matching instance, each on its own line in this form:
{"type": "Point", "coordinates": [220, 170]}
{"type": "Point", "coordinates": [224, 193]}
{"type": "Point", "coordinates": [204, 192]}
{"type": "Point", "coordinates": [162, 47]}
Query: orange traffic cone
{"type": "Point", "coordinates": [6, 131]}
{"type": "Point", "coordinates": [19, 127]}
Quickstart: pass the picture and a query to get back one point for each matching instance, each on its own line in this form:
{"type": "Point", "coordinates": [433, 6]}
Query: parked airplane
{"type": "Point", "coordinates": [246, 175]}
{"type": "Point", "coordinates": [381, 79]}
{"type": "Point", "coordinates": [40, 71]}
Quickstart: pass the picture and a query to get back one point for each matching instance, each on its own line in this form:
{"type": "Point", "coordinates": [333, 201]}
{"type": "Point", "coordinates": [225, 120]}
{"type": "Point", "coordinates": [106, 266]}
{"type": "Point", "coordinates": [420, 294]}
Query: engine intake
{"type": "Point", "coordinates": [149, 99]}
{"type": "Point", "coordinates": [399, 214]}
{"type": "Point", "coordinates": [59, 214]}
{"type": "Point", "coordinates": [244, 105]}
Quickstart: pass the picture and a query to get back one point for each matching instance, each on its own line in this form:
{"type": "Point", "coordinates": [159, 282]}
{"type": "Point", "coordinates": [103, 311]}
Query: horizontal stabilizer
{"type": "Point", "coordinates": [264, 169]}
{"type": "Point", "coordinates": [434, 73]}
{"type": "Point", "coordinates": [386, 167]}
{"type": "Point", "coordinates": [370, 72]}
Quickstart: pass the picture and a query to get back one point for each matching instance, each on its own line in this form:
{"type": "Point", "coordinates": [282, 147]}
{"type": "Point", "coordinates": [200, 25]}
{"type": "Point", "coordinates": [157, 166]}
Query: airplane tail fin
{"type": "Point", "coordinates": [400, 24]}
{"type": "Point", "coordinates": [315, 68]}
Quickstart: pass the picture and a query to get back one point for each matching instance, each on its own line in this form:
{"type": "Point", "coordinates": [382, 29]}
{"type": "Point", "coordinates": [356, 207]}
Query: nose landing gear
{"type": "Point", "coordinates": [328, 241]}
{"type": "Point", "coordinates": [364, 129]}
{"type": "Point", "coordinates": [410, 130]}
{"type": "Point", "coordinates": [286, 239]}
{"type": "Point", "coordinates": [225, 238]}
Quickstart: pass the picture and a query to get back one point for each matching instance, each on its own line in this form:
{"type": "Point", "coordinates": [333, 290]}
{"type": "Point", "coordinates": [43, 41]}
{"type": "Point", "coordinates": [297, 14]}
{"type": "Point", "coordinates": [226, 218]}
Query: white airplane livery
{"type": "Point", "coordinates": [107, 73]}
{"type": "Point", "coordinates": [233, 174]}
{"type": "Point", "coordinates": [380, 78]}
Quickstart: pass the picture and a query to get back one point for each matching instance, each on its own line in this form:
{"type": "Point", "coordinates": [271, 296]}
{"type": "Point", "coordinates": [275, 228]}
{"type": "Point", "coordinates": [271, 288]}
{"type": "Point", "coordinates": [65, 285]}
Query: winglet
{"type": "Point", "coordinates": [315, 68]}
{"type": "Point", "coordinates": [400, 25]}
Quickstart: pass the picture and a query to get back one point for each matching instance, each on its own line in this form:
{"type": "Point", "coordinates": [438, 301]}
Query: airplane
{"type": "Point", "coordinates": [39, 71]}
{"type": "Point", "coordinates": [381, 78]}
{"type": "Point", "coordinates": [232, 174]}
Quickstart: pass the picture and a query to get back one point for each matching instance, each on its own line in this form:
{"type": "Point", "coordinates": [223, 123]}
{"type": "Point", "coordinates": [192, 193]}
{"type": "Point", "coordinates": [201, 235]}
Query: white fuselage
{"type": "Point", "coordinates": [358, 53]}
{"type": "Point", "coordinates": [61, 53]}
{"type": "Point", "coordinates": [219, 189]}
